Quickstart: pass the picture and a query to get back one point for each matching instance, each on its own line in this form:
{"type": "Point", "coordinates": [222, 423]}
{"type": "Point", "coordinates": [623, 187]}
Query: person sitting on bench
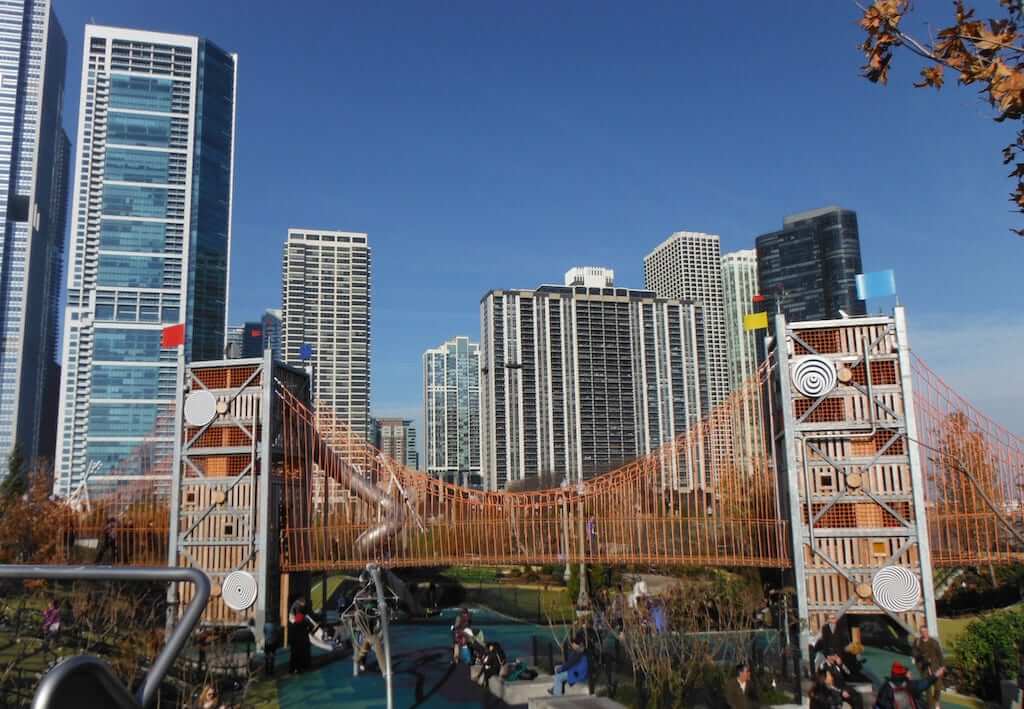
{"type": "Point", "coordinates": [573, 671]}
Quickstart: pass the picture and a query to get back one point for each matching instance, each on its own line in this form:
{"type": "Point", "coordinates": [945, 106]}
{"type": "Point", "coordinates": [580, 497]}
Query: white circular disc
{"type": "Point", "coordinates": [896, 589]}
{"type": "Point", "coordinates": [239, 590]}
{"type": "Point", "coordinates": [200, 408]}
{"type": "Point", "coordinates": [814, 376]}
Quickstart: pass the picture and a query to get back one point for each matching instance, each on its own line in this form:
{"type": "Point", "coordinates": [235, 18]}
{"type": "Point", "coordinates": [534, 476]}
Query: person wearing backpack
{"type": "Point", "coordinates": [901, 692]}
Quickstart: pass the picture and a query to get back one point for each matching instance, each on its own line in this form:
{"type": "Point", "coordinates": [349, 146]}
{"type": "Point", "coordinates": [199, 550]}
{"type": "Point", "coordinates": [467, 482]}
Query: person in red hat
{"type": "Point", "coordinates": [901, 692]}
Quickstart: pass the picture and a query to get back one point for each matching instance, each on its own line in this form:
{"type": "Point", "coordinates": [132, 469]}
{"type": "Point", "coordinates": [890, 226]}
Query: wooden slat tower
{"type": "Point", "coordinates": [850, 470]}
{"type": "Point", "coordinates": [227, 484]}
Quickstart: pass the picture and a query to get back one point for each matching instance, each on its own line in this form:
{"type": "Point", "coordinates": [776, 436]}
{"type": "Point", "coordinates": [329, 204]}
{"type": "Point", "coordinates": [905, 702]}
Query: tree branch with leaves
{"type": "Point", "coordinates": [987, 53]}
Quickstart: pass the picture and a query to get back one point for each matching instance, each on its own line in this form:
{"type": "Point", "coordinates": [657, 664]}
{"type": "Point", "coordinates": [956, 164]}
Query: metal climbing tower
{"type": "Point", "coordinates": [850, 470]}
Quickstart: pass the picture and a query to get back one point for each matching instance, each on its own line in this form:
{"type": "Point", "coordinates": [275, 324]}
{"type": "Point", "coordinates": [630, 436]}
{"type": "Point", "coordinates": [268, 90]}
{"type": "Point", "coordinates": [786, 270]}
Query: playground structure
{"type": "Point", "coordinates": [872, 465]}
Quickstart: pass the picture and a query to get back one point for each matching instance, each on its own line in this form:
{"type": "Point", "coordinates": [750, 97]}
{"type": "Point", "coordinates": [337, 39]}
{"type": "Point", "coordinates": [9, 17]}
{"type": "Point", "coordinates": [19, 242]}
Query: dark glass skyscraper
{"type": "Point", "coordinates": [809, 267]}
{"type": "Point", "coordinates": [34, 153]}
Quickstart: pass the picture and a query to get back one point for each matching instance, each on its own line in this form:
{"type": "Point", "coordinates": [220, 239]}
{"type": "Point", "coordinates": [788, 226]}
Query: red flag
{"type": "Point", "coordinates": [173, 335]}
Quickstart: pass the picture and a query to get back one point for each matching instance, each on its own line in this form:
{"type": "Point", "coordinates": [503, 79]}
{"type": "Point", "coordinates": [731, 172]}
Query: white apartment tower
{"type": "Point", "coordinates": [326, 315]}
{"type": "Point", "coordinates": [577, 381]}
{"type": "Point", "coordinates": [688, 266]}
{"type": "Point", "coordinates": [451, 411]}
{"type": "Point", "coordinates": [150, 243]}
{"type": "Point", "coordinates": [739, 284]}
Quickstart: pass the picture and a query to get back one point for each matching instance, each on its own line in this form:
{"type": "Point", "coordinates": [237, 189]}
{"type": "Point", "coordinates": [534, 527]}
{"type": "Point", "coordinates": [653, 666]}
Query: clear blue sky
{"type": "Point", "coordinates": [486, 145]}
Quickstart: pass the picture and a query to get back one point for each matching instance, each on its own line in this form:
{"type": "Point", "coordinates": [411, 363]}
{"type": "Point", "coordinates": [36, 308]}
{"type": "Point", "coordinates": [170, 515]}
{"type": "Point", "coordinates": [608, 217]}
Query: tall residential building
{"type": "Point", "coordinates": [576, 381]}
{"type": "Point", "coordinates": [688, 266]}
{"type": "Point", "coordinates": [150, 241]}
{"type": "Point", "coordinates": [809, 267]}
{"type": "Point", "coordinates": [451, 411]}
{"type": "Point", "coordinates": [398, 441]}
{"type": "Point", "coordinates": [34, 155]}
{"type": "Point", "coordinates": [326, 297]}
{"type": "Point", "coordinates": [739, 286]}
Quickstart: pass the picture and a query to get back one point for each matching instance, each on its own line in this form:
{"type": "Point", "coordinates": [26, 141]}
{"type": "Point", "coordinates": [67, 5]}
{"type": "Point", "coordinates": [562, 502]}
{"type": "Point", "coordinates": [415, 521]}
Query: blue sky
{"type": "Point", "coordinates": [485, 145]}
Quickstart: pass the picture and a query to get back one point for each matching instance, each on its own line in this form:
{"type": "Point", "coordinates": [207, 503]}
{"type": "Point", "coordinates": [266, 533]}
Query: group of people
{"type": "Point", "coordinates": [471, 646]}
{"type": "Point", "coordinates": [833, 686]}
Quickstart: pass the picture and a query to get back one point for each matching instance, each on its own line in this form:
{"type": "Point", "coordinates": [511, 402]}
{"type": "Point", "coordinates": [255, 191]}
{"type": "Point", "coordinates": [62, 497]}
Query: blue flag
{"type": "Point", "coordinates": [305, 351]}
{"type": "Point", "coordinates": [876, 285]}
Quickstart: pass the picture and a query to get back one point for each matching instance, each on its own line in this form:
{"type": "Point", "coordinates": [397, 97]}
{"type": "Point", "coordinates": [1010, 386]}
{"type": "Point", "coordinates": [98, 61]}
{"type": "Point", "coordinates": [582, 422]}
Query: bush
{"type": "Point", "coordinates": [986, 652]}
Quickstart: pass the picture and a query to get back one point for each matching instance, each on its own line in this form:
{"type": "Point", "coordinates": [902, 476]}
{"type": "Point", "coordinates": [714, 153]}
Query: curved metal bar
{"type": "Point", "coordinates": [189, 619]}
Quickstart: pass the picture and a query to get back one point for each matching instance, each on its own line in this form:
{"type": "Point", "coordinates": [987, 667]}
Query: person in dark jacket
{"type": "Point", "coordinates": [493, 662]}
{"type": "Point", "coordinates": [739, 691]}
{"type": "Point", "coordinates": [106, 550]}
{"type": "Point", "coordinates": [833, 638]}
{"type": "Point", "coordinates": [824, 694]}
{"type": "Point", "coordinates": [839, 674]}
{"type": "Point", "coordinates": [299, 628]}
{"type": "Point", "coordinates": [928, 658]}
{"type": "Point", "coordinates": [901, 692]}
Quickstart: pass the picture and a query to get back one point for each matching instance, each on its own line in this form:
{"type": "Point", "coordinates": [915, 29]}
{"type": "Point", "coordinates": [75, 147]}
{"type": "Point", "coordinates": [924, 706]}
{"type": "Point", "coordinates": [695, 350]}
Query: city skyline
{"type": "Point", "coordinates": [579, 226]}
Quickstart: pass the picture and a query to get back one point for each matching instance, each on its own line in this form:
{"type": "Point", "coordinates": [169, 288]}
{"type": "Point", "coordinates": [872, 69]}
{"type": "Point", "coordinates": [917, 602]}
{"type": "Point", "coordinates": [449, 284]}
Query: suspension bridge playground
{"type": "Point", "coordinates": [845, 462]}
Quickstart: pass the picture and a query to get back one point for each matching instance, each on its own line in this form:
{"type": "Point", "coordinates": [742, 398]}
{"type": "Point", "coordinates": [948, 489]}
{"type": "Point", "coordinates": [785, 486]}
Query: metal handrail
{"type": "Point", "coordinates": [45, 692]}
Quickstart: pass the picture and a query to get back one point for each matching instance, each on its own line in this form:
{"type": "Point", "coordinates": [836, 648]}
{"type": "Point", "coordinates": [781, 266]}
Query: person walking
{"type": "Point", "coordinates": [107, 546]}
{"type": "Point", "coordinates": [899, 691]}
{"type": "Point", "coordinates": [739, 691]}
{"type": "Point", "coordinates": [928, 658]}
{"type": "Point", "coordinates": [298, 638]}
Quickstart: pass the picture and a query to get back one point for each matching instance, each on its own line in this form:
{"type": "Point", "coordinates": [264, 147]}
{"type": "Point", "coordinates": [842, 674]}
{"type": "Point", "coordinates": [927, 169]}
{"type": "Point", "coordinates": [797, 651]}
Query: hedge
{"type": "Point", "coordinates": [986, 652]}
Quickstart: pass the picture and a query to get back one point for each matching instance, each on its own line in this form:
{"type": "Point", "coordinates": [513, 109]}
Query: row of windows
{"type": "Point", "coordinates": [127, 345]}
{"type": "Point", "coordinates": [130, 201]}
{"type": "Point", "coordinates": [118, 235]}
{"type": "Point", "coordinates": [128, 165]}
{"type": "Point", "coordinates": [122, 419]}
{"type": "Point", "coordinates": [119, 271]}
{"type": "Point", "coordinates": [125, 382]}
{"type": "Point", "coordinates": [140, 92]}
{"type": "Point", "coordinates": [131, 129]}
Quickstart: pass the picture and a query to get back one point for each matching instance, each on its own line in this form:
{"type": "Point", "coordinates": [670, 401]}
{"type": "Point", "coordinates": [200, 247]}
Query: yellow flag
{"type": "Point", "coordinates": [755, 321]}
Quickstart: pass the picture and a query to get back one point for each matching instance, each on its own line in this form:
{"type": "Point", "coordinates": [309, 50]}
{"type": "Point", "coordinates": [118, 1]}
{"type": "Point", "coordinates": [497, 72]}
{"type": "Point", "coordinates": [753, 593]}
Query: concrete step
{"type": "Point", "coordinates": [524, 691]}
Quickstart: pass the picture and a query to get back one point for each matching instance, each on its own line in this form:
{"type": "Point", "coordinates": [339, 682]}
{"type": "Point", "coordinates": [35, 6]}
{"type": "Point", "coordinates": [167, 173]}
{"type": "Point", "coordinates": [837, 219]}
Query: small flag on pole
{"type": "Point", "coordinates": [876, 285]}
{"type": "Point", "coordinates": [173, 336]}
{"type": "Point", "coordinates": [305, 351]}
{"type": "Point", "coordinates": [755, 321]}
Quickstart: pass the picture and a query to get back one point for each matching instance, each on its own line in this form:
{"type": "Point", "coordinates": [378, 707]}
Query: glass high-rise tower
{"type": "Point", "coordinates": [150, 242]}
{"type": "Point", "coordinates": [34, 151]}
{"type": "Point", "coordinates": [451, 411]}
{"type": "Point", "coordinates": [809, 268]}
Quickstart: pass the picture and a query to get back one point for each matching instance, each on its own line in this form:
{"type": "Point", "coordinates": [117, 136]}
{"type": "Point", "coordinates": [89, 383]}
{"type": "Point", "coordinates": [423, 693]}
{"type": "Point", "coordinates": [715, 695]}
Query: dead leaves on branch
{"type": "Point", "coordinates": [989, 53]}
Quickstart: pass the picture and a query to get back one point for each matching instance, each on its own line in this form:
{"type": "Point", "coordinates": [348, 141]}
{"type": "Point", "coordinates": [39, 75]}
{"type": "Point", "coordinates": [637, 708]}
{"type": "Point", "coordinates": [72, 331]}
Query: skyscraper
{"type": "Point", "coordinates": [576, 381]}
{"type": "Point", "coordinates": [326, 297]}
{"type": "Point", "coordinates": [272, 332]}
{"type": "Point", "coordinates": [810, 266]}
{"type": "Point", "coordinates": [451, 411]}
{"type": "Point", "coordinates": [398, 441]}
{"type": "Point", "coordinates": [150, 239]}
{"type": "Point", "coordinates": [739, 286]}
{"type": "Point", "coordinates": [234, 339]}
{"type": "Point", "coordinates": [34, 154]}
{"type": "Point", "coordinates": [688, 266]}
